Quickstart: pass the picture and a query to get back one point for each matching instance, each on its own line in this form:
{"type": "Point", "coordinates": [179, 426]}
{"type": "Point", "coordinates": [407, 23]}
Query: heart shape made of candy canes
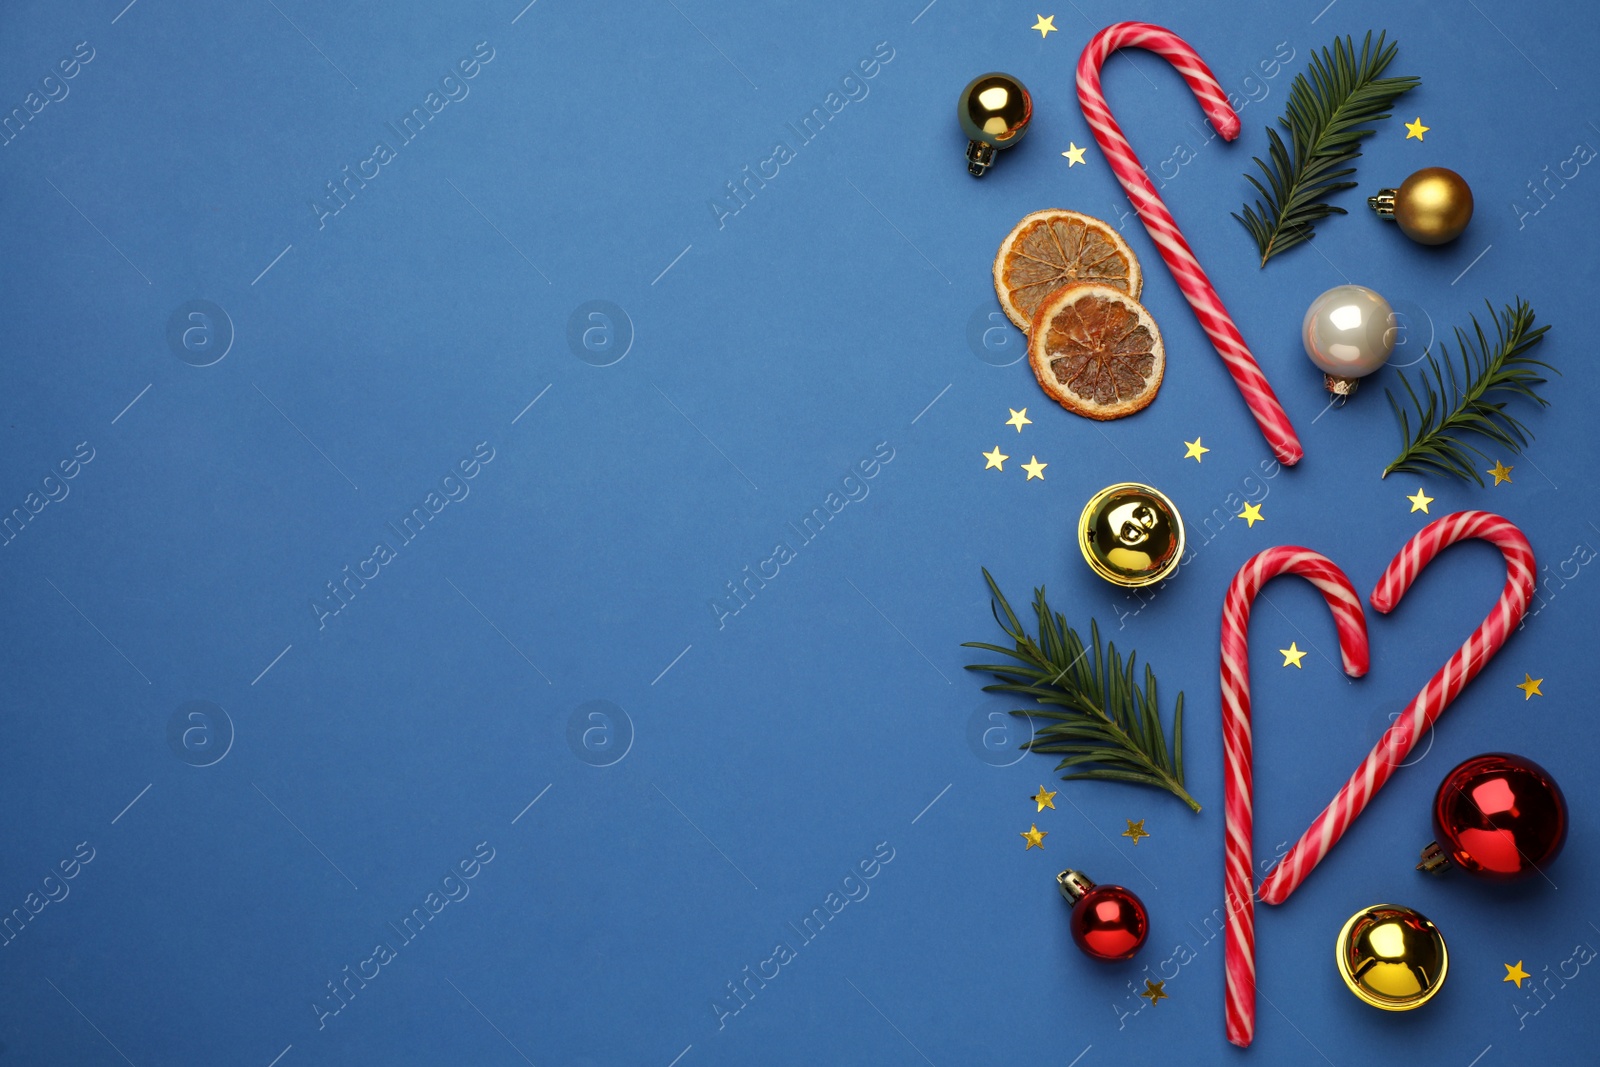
{"type": "Point", "coordinates": [1392, 748]}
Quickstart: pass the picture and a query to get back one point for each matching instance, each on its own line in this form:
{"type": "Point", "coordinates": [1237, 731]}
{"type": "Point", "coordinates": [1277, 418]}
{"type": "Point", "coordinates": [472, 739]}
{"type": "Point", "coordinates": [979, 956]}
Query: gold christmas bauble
{"type": "Point", "coordinates": [1391, 957]}
{"type": "Point", "coordinates": [994, 112]}
{"type": "Point", "coordinates": [1432, 206]}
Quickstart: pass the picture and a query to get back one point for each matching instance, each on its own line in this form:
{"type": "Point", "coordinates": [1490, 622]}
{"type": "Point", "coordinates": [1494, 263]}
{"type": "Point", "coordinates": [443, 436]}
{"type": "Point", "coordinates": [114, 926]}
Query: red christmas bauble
{"type": "Point", "coordinates": [1108, 922]}
{"type": "Point", "coordinates": [1500, 817]}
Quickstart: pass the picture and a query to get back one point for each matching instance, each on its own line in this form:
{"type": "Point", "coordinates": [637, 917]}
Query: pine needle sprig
{"type": "Point", "coordinates": [1471, 399]}
{"type": "Point", "coordinates": [1328, 115]}
{"type": "Point", "coordinates": [1098, 717]}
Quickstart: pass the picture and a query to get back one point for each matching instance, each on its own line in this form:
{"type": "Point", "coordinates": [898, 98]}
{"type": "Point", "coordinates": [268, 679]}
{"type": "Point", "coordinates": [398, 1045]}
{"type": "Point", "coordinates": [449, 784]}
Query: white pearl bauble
{"type": "Point", "coordinates": [1349, 331]}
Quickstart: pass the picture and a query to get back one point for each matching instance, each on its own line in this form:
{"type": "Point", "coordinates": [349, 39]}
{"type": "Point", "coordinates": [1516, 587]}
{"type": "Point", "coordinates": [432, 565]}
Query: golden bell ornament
{"type": "Point", "coordinates": [1391, 957]}
{"type": "Point", "coordinates": [1432, 206]}
{"type": "Point", "coordinates": [1131, 534]}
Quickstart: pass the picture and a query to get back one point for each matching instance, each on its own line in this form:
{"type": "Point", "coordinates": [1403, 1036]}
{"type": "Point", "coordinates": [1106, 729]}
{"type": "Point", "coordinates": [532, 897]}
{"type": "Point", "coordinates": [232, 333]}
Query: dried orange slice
{"type": "Point", "coordinates": [1097, 351]}
{"type": "Point", "coordinates": [1052, 248]}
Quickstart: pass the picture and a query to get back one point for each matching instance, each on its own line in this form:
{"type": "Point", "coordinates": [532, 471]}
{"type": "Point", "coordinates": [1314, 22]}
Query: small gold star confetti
{"type": "Point", "coordinates": [1035, 469]}
{"type": "Point", "coordinates": [1251, 515]}
{"type": "Point", "coordinates": [1420, 502]}
{"type": "Point", "coordinates": [1034, 837]}
{"type": "Point", "coordinates": [1194, 450]}
{"type": "Point", "coordinates": [1019, 419]}
{"type": "Point", "coordinates": [1501, 472]}
{"type": "Point", "coordinates": [1135, 830]}
{"type": "Point", "coordinates": [1044, 25]}
{"type": "Point", "coordinates": [1044, 798]}
{"type": "Point", "coordinates": [1416, 129]}
{"type": "Point", "coordinates": [1530, 686]}
{"type": "Point", "coordinates": [1515, 973]}
{"type": "Point", "coordinates": [1155, 991]}
{"type": "Point", "coordinates": [996, 460]}
{"type": "Point", "coordinates": [1074, 155]}
{"type": "Point", "coordinates": [1292, 656]}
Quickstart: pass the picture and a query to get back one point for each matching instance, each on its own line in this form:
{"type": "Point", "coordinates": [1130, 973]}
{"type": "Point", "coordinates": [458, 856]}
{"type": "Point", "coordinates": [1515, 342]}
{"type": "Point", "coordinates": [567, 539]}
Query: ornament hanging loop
{"type": "Point", "coordinates": [1073, 884]}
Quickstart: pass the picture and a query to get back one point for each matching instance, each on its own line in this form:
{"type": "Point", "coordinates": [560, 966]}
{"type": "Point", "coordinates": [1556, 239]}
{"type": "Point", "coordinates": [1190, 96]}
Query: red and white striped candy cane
{"type": "Point", "coordinates": [1426, 707]}
{"type": "Point", "coordinates": [1197, 288]}
{"type": "Point", "coordinates": [1238, 877]}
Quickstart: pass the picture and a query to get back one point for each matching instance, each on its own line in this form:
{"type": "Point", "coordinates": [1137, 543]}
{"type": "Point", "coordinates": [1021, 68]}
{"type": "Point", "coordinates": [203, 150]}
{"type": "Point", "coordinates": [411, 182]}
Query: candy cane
{"type": "Point", "coordinates": [1426, 707]}
{"type": "Point", "coordinates": [1237, 876]}
{"type": "Point", "coordinates": [1197, 288]}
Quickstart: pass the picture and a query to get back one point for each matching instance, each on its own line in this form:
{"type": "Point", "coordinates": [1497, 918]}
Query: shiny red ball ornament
{"type": "Point", "coordinates": [1498, 817]}
{"type": "Point", "coordinates": [1108, 922]}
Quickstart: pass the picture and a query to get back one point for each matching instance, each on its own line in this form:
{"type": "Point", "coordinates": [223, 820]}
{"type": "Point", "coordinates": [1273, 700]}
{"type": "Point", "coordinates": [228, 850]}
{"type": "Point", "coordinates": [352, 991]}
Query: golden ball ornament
{"type": "Point", "coordinates": [1433, 206]}
{"type": "Point", "coordinates": [994, 111]}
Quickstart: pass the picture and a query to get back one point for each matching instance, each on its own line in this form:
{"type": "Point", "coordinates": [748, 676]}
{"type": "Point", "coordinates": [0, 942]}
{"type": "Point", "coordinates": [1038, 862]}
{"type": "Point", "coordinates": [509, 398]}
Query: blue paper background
{"type": "Point", "coordinates": [749, 763]}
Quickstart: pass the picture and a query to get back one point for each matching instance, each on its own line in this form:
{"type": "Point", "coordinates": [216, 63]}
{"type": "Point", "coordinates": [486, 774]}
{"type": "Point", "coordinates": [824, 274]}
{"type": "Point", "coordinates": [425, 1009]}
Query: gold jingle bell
{"type": "Point", "coordinates": [1131, 534]}
{"type": "Point", "coordinates": [1432, 206]}
{"type": "Point", "coordinates": [1391, 957]}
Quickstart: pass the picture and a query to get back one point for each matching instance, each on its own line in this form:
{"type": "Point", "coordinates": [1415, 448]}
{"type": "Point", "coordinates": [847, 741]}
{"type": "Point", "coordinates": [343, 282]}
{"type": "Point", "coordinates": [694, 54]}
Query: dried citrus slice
{"type": "Point", "coordinates": [1052, 248]}
{"type": "Point", "coordinates": [1097, 351]}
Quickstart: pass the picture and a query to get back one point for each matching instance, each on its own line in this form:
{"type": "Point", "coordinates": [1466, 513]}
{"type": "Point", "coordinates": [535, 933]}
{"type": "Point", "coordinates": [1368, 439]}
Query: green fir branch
{"type": "Point", "coordinates": [1098, 717]}
{"type": "Point", "coordinates": [1471, 400]}
{"type": "Point", "coordinates": [1327, 118]}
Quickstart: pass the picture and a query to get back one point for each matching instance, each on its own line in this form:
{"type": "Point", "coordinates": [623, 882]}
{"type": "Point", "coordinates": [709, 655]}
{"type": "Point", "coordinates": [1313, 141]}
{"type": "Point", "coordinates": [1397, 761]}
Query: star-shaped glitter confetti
{"type": "Point", "coordinates": [1501, 472]}
{"type": "Point", "coordinates": [996, 460]}
{"type": "Point", "coordinates": [1074, 155]}
{"type": "Point", "coordinates": [1034, 837]}
{"type": "Point", "coordinates": [1035, 469]}
{"type": "Point", "coordinates": [1155, 991]}
{"type": "Point", "coordinates": [1044, 798]}
{"type": "Point", "coordinates": [1251, 515]}
{"type": "Point", "coordinates": [1420, 502]}
{"type": "Point", "coordinates": [1019, 419]}
{"type": "Point", "coordinates": [1292, 656]}
{"type": "Point", "coordinates": [1515, 973]}
{"type": "Point", "coordinates": [1045, 25]}
{"type": "Point", "coordinates": [1530, 686]}
{"type": "Point", "coordinates": [1135, 830]}
{"type": "Point", "coordinates": [1194, 450]}
{"type": "Point", "coordinates": [1416, 129]}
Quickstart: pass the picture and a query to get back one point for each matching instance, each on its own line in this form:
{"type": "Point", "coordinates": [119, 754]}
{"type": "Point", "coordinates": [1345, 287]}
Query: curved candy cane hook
{"type": "Point", "coordinates": [1426, 707]}
{"type": "Point", "coordinates": [1197, 288]}
{"type": "Point", "coordinates": [1237, 874]}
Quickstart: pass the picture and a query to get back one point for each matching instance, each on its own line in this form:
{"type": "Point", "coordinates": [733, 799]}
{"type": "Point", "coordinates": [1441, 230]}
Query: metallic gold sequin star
{"type": "Point", "coordinates": [1292, 656]}
{"type": "Point", "coordinates": [1034, 837]}
{"type": "Point", "coordinates": [1044, 25]}
{"type": "Point", "coordinates": [1074, 155]}
{"type": "Point", "coordinates": [1194, 450]}
{"type": "Point", "coordinates": [1530, 686]}
{"type": "Point", "coordinates": [1416, 129]}
{"type": "Point", "coordinates": [996, 460]}
{"type": "Point", "coordinates": [1251, 515]}
{"type": "Point", "coordinates": [1135, 830]}
{"type": "Point", "coordinates": [1501, 472]}
{"type": "Point", "coordinates": [1019, 419]}
{"type": "Point", "coordinates": [1515, 973]}
{"type": "Point", "coordinates": [1420, 502]}
{"type": "Point", "coordinates": [1155, 991]}
{"type": "Point", "coordinates": [1035, 469]}
{"type": "Point", "coordinates": [1044, 798]}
